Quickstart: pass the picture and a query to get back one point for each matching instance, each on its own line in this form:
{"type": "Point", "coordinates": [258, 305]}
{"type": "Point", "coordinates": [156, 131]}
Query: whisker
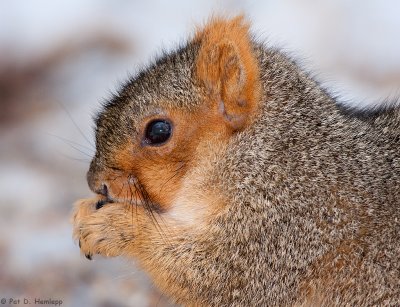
{"type": "Point", "coordinates": [130, 200]}
{"type": "Point", "coordinates": [76, 125]}
{"type": "Point", "coordinates": [74, 159]}
{"type": "Point", "coordinates": [136, 200]}
{"type": "Point", "coordinates": [155, 217]}
{"type": "Point", "coordinates": [176, 172]}
{"type": "Point", "coordinates": [79, 150]}
{"type": "Point", "coordinates": [123, 276]}
{"type": "Point", "coordinates": [70, 141]}
{"type": "Point", "coordinates": [115, 178]}
{"type": "Point", "coordinates": [146, 202]}
{"type": "Point", "coordinates": [122, 188]}
{"type": "Point", "coordinates": [114, 168]}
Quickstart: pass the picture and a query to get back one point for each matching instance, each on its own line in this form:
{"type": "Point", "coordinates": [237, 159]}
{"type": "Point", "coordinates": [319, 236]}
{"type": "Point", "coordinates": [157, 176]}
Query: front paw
{"type": "Point", "coordinates": [96, 227]}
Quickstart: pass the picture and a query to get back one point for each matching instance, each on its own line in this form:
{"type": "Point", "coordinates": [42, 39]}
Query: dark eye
{"type": "Point", "coordinates": [158, 132]}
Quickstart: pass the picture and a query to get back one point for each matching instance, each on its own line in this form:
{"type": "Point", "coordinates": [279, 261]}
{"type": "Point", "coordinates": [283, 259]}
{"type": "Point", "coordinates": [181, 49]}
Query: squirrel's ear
{"type": "Point", "coordinates": [227, 66]}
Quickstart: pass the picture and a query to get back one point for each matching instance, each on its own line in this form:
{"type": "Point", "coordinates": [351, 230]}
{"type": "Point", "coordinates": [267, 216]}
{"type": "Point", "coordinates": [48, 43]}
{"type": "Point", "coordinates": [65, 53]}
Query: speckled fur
{"type": "Point", "coordinates": [313, 190]}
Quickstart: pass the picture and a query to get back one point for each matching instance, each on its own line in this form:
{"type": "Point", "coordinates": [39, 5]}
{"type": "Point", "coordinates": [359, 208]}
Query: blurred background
{"type": "Point", "coordinates": [60, 60]}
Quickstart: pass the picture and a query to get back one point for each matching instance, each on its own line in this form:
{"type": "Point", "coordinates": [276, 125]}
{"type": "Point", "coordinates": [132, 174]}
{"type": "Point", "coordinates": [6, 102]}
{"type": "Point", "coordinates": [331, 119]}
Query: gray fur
{"type": "Point", "coordinates": [307, 180]}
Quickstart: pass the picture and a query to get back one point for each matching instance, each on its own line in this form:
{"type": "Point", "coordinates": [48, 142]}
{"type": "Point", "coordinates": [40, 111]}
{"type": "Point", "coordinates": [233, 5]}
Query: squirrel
{"type": "Point", "coordinates": [235, 179]}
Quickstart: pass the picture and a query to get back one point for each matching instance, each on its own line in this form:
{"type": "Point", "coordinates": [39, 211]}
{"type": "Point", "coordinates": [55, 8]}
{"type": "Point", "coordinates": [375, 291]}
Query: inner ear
{"type": "Point", "coordinates": [235, 120]}
{"type": "Point", "coordinates": [228, 69]}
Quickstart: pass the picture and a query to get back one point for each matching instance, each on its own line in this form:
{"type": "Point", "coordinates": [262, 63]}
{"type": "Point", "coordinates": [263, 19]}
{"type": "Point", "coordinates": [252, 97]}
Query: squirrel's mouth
{"type": "Point", "coordinates": [103, 202]}
{"type": "Point", "coordinates": [135, 196]}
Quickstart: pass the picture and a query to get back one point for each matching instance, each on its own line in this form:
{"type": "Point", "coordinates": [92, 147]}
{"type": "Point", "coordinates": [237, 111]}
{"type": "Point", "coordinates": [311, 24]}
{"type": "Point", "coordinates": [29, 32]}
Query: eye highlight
{"type": "Point", "coordinates": [158, 132]}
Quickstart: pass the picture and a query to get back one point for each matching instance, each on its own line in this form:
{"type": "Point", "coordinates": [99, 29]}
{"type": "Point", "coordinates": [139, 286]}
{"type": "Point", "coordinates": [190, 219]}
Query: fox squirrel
{"type": "Point", "coordinates": [235, 180]}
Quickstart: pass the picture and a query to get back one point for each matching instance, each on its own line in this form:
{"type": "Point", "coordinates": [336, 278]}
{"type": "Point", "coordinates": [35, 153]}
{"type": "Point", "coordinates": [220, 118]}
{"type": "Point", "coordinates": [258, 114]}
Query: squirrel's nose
{"type": "Point", "coordinates": [102, 190]}
{"type": "Point", "coordinates": [97, 186]}
{"type": "Point", "coordinates": [94, 182]}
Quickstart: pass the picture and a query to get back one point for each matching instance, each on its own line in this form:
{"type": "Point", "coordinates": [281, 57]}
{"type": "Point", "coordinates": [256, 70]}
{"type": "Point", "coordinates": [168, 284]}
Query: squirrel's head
{"type": "Point", "coordinates": [173, 116]}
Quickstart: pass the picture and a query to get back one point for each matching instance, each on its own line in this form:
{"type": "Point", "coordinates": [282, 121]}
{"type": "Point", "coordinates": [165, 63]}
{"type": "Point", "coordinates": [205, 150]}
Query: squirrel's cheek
{"type": "Point", "coordinates": [195, 204]}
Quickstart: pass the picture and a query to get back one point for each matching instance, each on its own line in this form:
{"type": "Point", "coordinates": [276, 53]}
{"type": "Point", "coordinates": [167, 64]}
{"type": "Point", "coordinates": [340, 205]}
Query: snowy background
{"type": "Point", "coordinates": [59, 60]}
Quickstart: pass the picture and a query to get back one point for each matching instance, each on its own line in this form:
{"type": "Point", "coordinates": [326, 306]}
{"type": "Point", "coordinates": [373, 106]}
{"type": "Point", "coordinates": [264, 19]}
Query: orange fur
{"type": "Point", "coordinates": [228, 67]}
{"type": "Point", "coordinates": [161, 170]}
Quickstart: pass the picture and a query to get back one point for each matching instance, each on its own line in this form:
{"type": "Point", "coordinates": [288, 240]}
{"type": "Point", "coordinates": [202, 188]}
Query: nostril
{"type": "Point", "coordinates": [103, 190]}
